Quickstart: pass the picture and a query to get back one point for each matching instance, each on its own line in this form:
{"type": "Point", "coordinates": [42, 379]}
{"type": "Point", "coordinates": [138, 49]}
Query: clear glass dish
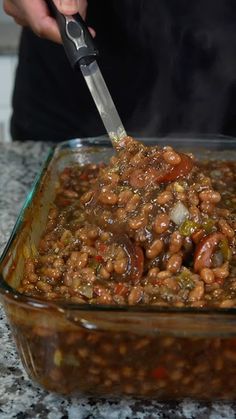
{"type": "Point", "coordinates": [148, 352]}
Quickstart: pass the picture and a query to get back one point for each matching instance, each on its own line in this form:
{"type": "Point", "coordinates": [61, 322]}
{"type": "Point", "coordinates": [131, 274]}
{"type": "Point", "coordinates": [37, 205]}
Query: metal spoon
{"type": "Point", "coordinates": [81, 52]}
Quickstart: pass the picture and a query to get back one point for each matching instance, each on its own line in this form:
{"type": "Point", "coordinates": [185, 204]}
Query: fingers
{"type": "Point", "coordinates": [35, 13]}
{"type": "Point", "coordinates": [70, 7]}
{"type": "Point", "coordinates": [39, 19]}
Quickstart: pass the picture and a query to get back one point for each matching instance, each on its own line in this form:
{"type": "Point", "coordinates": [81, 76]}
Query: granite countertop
{"type": "Point", "coordinates": [20, 398]}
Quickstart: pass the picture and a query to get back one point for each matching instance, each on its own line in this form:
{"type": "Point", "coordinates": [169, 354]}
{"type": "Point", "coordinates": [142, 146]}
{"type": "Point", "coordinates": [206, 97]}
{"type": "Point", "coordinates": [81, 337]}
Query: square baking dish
{"type": "Point", "coordinates": [81, 349]}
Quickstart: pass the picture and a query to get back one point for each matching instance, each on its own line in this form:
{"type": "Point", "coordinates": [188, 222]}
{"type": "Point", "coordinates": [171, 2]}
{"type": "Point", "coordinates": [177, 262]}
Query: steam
{"type": "Point", "coordinates": [189, 50]}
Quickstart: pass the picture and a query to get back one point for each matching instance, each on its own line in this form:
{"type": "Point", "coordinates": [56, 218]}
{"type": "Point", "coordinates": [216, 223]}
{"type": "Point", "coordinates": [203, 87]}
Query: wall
{"type": "Point", "coordinates": [9, 38]}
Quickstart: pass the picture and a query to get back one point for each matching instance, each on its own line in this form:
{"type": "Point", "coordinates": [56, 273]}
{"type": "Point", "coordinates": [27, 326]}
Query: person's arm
{"type": "Point", "coordinates": [35, 14]}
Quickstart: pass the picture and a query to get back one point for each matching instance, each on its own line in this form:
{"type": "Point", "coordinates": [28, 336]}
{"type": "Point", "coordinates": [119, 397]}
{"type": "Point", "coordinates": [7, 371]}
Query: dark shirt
{"type": "Point", "coordinates": [170, 66]}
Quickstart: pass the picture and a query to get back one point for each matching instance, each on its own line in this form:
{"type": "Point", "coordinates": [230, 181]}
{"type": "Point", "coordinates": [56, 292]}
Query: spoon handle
{"type": "Point", "coordinates": [81, 52]}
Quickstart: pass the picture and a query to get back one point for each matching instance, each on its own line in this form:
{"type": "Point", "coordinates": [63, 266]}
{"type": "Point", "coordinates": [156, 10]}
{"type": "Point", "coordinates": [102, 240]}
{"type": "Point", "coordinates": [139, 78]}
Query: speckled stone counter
{"type": "Point", "coordinates": [20, 398]}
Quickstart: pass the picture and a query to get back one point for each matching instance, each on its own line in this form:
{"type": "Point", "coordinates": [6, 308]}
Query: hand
{"type": "Point", "coordinates": [35, 14]}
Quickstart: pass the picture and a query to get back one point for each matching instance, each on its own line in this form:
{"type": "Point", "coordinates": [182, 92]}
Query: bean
{"type": "Point", "coordinates": [29, 267]}
{"type": "Point", "coordinates": [127, 372]}
{"type": "Point", "coordinates": [107, 348]}
{"type": "Point", "coordinates": [152, 273]}
{"type": "Point", "coordinates": [137, 222]}
{"type": "Point", "coordinates": [132, 203]}
{"type": "Point", "coordinates": [98, 360]}
{"type": "Point", "coordinates": [104, 236]}
{"type": "Point", "coordinates": [210, 196]}
{"type": "Point", "coordinates": [200, 368]}
{"type": "Point", "coordinates": [135, 295]}
{"type": "Point", "coordinates": [121, 214]}
{"type": "Point", "coordinates": [86, 197]}
{"type": "Point", "coordinates": [176, 242]}
{"type": "Point", "coordinates": [111, 178]}
{"type": "Point", "coordinates": [155, 249]}
{"type": "Point", "coordinates": [171, 283]}
{"type": "Point", "coordinates": [53, 273]}
{"type": "Point", "coordinates": [230, 355]}
{"type": "Point", "coordinates": [176, 375]}
{"type": "Point", "coordinates": [164, 197]}
{"type": "Point", "coordinates": [108, 197]}
{"type": "Point", "coordinates": [138, 179]}
{"type": "Point", "coordinates": [44, 286]}
{"type": "Point", "coordinates": [58, 262]}
{"type": "Point", "coordinates": [207, 275]}
{"type": "Point", "coordinates": [93, 233]}
{"type": "Point", "coordinates": [33, 278]}
{"type": "Point", "coordinates": [207, 207]}
{"type": "Point", "coordinates": [104, 273]}
{"type": "Point", "coordinates": [89, 251]}
{"type": "Point", "coordinates": [146, 209]}
{"type": "Point", "coordinates": [227, 303]}
{"type": "Point", "coordinates": [109, 266]}
{"type": "Point", "coordinates": [94, 370]}
{"type": "Point", "coordinates": [225, 228]}
{"type": "Point", "coordinates": [195, 214]}
{"type": "Point", "coordinates": [122, 349]}
{"type": "Point", "coordinates": [124, 197]}
{"type": "Point", "coordinates": [181, 196]}
{"type": "Point", "coordinates": [163, 274]}
{"type": "Point", "coordinates": [197, 293]}
{"type": "Point", "coordinates": [142, 343]}
{"type": "Point", "coordinates": [171, 157]}
{"type": "Point", "coordinates": [52, 218]}
{"type": "Point", "coordinates": [129, 389]}
{"type": "Point", "coordinates": [137, 158]}
{"type": "Point", "coordinates": [120, 266]}
{"type": "Point", "coordinates": [88, 274]}
{"type": "Point", "coordinates": [222, 272]}
{"type": "Point", "coordinates": [193, 198]}
{"type": "Point", "coordinates": [161, 223]}
{"type": "Point", "coordinates": [113, 375]}
{"type": "Point", "coordinates": [78, 259]}
{"type": "Point", "coordinates": [69, 193]}
{"type": "Point", "coordinates": [107, 383]}
{"type": "Point", "coordinates": [104, 298]}
{"type": "Point", "coordinates": [174, 263]}
{"type": "Point", "coordinates": [219, 364]}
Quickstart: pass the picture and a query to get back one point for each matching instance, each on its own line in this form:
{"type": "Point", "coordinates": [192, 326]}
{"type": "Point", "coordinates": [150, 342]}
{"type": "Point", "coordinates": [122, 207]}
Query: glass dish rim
{"type": "Point", "coordinates": [103, 141]}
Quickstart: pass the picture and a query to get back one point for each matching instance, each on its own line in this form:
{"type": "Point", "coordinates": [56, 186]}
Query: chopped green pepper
{"type": "Point", "coordinates": [208, 225]}
{"type": "Point", "coordinates": [57, 358]}
{"type": "Point", "coordinates": [188, 227]}
{"type": "Point", "coordinates": [185, 280]}
{"type": "Point", "coordinates": [225, 249]}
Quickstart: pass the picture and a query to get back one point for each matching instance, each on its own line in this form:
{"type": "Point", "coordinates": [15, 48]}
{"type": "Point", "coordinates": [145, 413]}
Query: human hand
{"type": "Point", "coordinates": [35, 14]}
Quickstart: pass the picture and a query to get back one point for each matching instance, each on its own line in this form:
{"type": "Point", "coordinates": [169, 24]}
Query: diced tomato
{"type": "Point", "coordinates": [159, 373]}
{"type": "Point", "coordinates": [99, 258]}
{"type": "Point", "coordinates": [197, 235]}
{"type": "Point", "coordinates": [84, 176]}
{"type": "Point", "coordinates": [63, 202]}
{"type": "Point", "coordinates": [140, 178]}
{"type": "Point", "coordinates": [180, 170]}
{"type": "Point", "coordinates": [137, 262]}
{"type": "Point", "coordinates": [102, 247]}
{"type": "Point", "coordinates": [121, 289]}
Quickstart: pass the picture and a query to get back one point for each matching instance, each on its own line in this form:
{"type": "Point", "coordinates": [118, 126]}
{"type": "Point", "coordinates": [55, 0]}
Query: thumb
{"type": "Point", "coordinates": [70, 7]}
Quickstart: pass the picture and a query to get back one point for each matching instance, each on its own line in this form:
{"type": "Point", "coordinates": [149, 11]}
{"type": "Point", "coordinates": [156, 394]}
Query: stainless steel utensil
{"type": "Point", "coordinates": [82, 53]}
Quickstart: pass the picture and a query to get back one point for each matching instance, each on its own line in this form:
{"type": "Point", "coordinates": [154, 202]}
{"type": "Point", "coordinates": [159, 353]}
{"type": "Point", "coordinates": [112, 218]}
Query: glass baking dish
{"type": "Point", "coordinates": [148, 352]}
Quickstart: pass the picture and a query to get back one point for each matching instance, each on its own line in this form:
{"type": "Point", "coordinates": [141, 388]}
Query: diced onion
{"type": "Point", "coordinates": [179, 213]}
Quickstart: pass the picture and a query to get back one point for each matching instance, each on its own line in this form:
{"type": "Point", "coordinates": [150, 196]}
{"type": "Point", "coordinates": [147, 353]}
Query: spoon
{"type": "Point", "coordinates": [81, 52]}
